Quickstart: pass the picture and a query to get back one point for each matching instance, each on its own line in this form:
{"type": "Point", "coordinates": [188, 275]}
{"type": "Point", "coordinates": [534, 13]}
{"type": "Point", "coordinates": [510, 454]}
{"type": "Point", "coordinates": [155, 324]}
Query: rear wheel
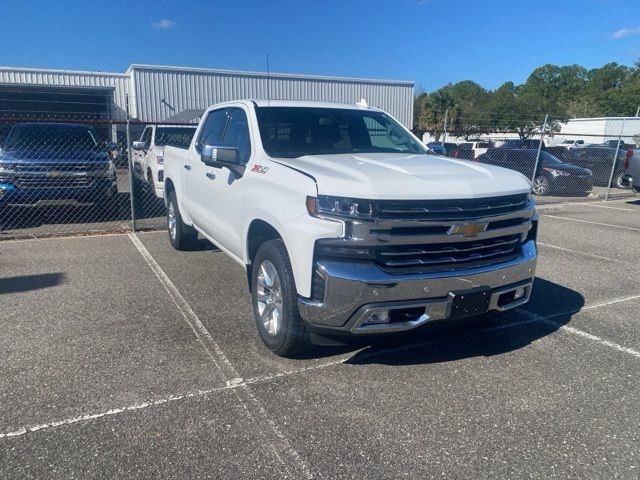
{"type": "Point", "coordinates": [541, 185]}
{"type": "Point", "coordinates": [181, 236]}
{"type": "Point", "coordinates": [275, 301]}
{"type": "Point", "coordinates": [619, 181]}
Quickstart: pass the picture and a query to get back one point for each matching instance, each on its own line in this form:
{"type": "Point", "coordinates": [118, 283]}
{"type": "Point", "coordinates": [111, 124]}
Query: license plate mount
{"type": "Point", "coordinates": [470, 302]}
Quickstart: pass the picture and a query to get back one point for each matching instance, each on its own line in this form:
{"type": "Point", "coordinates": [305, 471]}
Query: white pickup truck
{"type": "Point", "coordinates": [344, 222]}
{"type": "Point", "coordinates": [148, 153]}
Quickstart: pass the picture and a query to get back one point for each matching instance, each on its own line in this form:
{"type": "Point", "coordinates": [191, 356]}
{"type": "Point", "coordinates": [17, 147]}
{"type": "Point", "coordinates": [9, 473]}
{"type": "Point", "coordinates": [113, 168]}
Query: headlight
{"type": "Point", "coordinates": [6, 167]}
{"type": "Point", "coordinates": [340, 207]}
{"type": "Point", "coordinates": [556, 173]}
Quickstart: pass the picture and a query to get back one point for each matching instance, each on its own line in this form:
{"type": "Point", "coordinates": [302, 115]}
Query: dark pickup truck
{"type": "Point", "coordinates": [48, 164]}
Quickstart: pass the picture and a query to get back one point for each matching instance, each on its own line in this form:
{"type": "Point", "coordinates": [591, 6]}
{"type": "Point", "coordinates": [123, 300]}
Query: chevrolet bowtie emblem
{"type": "Point", "coordinates": [54, 173]}
{"type": "Point", "coordinates": [467, 229]}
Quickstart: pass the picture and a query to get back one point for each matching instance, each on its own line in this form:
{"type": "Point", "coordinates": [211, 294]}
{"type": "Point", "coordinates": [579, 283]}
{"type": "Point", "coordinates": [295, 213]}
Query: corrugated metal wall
{"type": "Point", "coordinates": [119, 83]}
{"type": "Point", "coordinates": [163, 92]}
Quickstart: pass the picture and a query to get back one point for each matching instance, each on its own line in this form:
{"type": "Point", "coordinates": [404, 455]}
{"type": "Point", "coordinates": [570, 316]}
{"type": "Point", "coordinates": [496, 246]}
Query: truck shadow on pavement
{"type": "Point", "coordinates": [25, 283]}
{"type": "Point", "coordinates": [480, 337]}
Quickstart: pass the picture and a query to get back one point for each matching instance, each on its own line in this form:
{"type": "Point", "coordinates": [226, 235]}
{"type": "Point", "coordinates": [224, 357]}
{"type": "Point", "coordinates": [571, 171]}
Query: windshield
{"type": "Point", "coordinates": [298, 131]}
{"type": "Point", "coordinates": [174, 136]}
{"type": "Point", "coordinates": [48, 136]}
{"type": "Point", "coordinates": [549, 159]}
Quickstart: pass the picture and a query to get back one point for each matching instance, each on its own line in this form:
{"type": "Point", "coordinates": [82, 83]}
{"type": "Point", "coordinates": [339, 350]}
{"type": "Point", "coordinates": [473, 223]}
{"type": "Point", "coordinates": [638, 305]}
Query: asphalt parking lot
{"type": "Point", "coordinates": [121, 358]}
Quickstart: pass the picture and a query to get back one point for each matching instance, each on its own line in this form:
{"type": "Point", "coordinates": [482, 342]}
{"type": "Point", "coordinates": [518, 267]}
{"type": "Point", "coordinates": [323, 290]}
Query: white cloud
{"type": "Point", "coordinates": [625, 32]}
{"type": "Point", "coordinates": [164, 24]}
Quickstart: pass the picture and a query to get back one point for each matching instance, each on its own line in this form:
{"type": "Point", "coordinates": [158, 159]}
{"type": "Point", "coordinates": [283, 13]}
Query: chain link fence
{"type": "Point", "coordinates": [70, 175]}
{"type": "Point", "coordinates": [565, 160]}
{"type": "Point", "coordinates": [86, 173]}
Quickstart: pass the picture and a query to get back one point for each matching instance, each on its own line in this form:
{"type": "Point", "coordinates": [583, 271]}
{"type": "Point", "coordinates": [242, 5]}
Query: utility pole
{"type": "Point", "coordinates": [444, 133]}
{"type": "Point", "coordinates": [535, 167]}
{"type": "Point", "coordinates": [615, 160]}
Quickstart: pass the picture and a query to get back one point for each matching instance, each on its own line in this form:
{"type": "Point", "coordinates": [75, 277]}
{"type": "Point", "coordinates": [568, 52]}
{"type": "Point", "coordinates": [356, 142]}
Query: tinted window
{"type": "Point", "coordinates": [51, 136]}
{"type": "Point", "coordinates": [297, 131]}
{"type": "Point", "coordinates": [146, 135]}
{"type": "Point", "coordinates": [174, 136]}
{"type": "Point", "coordinates": [237, 134]}
{"type": "Point", "coordinates": [213, 129]}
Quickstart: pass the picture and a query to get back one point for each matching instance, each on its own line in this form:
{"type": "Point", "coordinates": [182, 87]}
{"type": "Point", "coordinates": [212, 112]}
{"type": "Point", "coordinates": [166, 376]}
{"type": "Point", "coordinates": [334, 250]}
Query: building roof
{"type": "Point", "coordinates": [212, 71]}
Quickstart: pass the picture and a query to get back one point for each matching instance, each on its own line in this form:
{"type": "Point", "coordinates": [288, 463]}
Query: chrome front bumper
{"type": "Point", "coordinates": [352, 291]}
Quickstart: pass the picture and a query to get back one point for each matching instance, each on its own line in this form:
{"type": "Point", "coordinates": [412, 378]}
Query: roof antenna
{"type": "Point", "coordinates": [268, 83]}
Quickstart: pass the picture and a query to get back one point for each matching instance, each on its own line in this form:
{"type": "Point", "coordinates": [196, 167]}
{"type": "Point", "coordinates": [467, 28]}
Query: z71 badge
{"type": "Point", "coordinates": [259, 169]}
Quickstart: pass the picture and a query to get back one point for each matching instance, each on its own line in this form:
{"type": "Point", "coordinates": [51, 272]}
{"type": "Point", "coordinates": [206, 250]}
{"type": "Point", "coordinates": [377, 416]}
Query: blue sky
{"type": "Point", "coordinates": [429, 41]}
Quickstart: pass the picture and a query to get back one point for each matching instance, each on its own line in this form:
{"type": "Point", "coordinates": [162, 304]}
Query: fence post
{"type": "Point", "coordinates": [615, 161]}
{"type": "Point", "coordinates": [444, 132]}
{"type": "Point", "coordinates": [130, 162]}
{"type": "Point", "coordinates": [535, 167]}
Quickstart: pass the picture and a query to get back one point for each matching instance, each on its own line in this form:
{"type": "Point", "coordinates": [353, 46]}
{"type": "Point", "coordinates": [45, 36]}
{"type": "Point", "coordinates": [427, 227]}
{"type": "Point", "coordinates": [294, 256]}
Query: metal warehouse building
{"type": "Point", "coordinates": [160, 93]}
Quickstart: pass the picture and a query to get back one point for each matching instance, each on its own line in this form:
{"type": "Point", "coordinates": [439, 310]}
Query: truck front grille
{"type": "Point", "coordinates": [450, 209]}
{"type": "Point", "coordinates": [430, 236]}
{"type": "Point", "coordinates": [37, 182]}
{"type": "Point", "coordinates": [447, 256]}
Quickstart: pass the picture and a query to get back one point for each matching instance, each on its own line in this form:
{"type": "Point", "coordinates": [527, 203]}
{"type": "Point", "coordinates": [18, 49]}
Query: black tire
{"type": "Point", "coordinates": [618, 182]}
{"type": "Point", "coordinates": [292, 337]}
{"type": "Point", "coordinates": [541, 186]}
{"type": "Point", "coordinates": [182, 237]}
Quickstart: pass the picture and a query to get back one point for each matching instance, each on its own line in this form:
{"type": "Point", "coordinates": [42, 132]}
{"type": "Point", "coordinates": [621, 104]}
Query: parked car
{"type": "Point", "coordinates": [631, 166]}
{"type": "Point", "coordinates": [552, 175]}
{"type": "Point", "coordinates": [438, 147]}
{"type": "Point", "coordinates": [344, 222]}
{"type": "Point", "coordinates": [559, 151]}
{"type": "Point", "coordinates": [148, 153]}
{"type": "Point", "coordinates": [614, 144]}
{"type": "Point", "coordinates": [600, 161]}
{"type": "Point", "coordinates": [529, 143]}
{"type": "Point", "coordinates": [470, 150]}
{"type": "Point", "coordinates": [51, 164]}
{"type": "Point", "coordinates": [572, 143]}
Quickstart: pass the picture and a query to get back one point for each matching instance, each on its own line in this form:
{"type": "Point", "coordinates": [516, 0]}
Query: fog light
{"type": "Point", "coordinates": [519, 293]}
{"type": "Point", "coordinates": [381, 316]}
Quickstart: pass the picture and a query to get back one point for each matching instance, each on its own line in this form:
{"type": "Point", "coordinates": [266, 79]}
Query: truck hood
{"type": "Point", "coordinates": [406, 176]}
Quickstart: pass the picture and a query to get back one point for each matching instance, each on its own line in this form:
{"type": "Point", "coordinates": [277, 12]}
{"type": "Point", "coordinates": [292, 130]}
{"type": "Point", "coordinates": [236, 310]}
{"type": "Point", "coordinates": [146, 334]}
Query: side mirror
{"type": "Point", "coordinates": [139, 145]}
{"type": "Point", "coordinates": [218, 157]}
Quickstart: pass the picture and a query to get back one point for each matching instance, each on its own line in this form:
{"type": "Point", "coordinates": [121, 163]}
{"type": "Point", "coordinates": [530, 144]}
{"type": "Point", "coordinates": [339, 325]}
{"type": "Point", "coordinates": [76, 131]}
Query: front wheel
{"type": "Point", "coordinates": [275, 301]}
{"type": "Point", "coordinates": [181, 236]}
{"type": "Point", "coordinates": [541, 186]}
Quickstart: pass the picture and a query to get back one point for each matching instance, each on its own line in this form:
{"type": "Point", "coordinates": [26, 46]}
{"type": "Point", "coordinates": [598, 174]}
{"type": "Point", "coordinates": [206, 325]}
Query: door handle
{"type": "Point", "coordinates": [187, 167]}
{"type": "Point", "coordinates": [210, 175]}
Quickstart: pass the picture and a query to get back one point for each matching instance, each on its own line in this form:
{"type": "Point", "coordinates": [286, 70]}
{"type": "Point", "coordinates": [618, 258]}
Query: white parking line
{"type": "Point", "coordinates": [608, 207]}
{"type": "Point", "coordinates": [238, 383]}
{"type": "Point", "coordinates": [559, 206]}
{"type": "Point", "coordinates": [581, 333]}
{"type": "Point", "coordinates": [17, 432]}
{"type": "Point", "coordinates": [586, 254]}
{"type": "Point", "coordinates": [590, 222]}
{"type": "Point", "coordinates": [280, 446]}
